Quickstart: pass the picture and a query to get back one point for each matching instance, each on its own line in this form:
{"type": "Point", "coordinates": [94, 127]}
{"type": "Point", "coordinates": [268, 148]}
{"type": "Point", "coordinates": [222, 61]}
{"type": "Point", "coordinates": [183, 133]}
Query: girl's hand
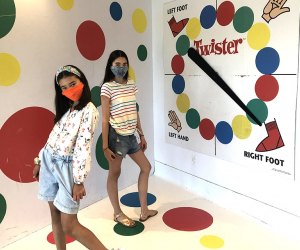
{"type": "Point", "coordinates": [36, 171]}
{"type": "Point", "coordinates": [78, 192]}
{"type": "Point", "coordinates": [143, 143]}
{"type": "Point", "coordinates": [109, 155]}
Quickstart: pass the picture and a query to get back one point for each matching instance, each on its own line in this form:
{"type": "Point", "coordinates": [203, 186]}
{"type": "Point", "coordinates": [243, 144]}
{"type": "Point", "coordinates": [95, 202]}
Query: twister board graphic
{"type": "Point", "coordinates": [241, 106]}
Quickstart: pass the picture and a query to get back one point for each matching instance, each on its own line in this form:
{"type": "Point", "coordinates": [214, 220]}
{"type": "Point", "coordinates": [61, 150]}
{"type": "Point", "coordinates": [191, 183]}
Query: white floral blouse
{"type": "Point", "coordinates": [72, 135]}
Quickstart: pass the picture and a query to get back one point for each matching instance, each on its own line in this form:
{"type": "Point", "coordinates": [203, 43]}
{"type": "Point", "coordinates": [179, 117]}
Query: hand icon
{"type": "Point", "coordinates": [273, 9]}
{"type": "Point", "coordinates": [174, 121]}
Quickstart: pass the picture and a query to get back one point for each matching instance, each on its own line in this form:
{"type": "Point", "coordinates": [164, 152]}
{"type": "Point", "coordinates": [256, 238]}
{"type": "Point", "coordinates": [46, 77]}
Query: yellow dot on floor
{"type": "Point", "coordinates": [9, 69]}
{"type": "Point", "coordinates": [66, 4]}
{"type": "Point", "coordinates": [212, 241]}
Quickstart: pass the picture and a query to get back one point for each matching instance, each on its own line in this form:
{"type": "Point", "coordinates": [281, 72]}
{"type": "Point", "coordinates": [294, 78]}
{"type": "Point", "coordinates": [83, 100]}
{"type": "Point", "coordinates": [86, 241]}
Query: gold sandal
{"type": "Point", "coordinates": [127, 222]}
{"type": "Point", "coordinates": [144, 217]}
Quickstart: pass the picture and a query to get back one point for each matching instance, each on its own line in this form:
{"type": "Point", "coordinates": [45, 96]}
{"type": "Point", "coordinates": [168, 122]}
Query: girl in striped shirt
{"type": "Point", "coordinates": [122, 134]}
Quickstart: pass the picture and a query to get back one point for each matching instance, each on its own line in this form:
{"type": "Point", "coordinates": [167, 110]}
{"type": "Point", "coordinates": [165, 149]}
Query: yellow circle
{"type": "Point", "coordinates": [10, 69]}
{"type": "Point", "coordinates": [131, 74]}
{"type": "Point", "coordinates": [241, 127]}
{"type": "Point", "coordinates": [212, 241]}
{"type": "Point", "coordinates": [65, 4]}
{"type": "Point", "coordinates": [183, 103]}
{"type": "Point", "coordinates": [258, 36]}
{"type": "Point", "coordinates": [193, 28]}
{"type": "Point", "coordinates": [139, 21]}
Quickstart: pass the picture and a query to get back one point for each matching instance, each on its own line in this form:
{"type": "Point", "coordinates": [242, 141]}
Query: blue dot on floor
{"type": "Point", "coordinates": [132, 199]}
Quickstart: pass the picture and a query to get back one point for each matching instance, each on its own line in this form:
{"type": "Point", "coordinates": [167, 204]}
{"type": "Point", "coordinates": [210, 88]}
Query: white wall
{"type": "Point", "coordinates": [272, 200]}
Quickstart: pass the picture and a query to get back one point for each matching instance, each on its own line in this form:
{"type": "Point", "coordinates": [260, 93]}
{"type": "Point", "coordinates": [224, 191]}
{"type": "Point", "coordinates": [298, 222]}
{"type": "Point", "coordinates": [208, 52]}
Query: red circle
{"type": "Point", "coordinates": [225, 13]}
{"type": "Point", "coordinates": [207, 129]}
{"type": "Point", "coordinates": [266, 88]}
{"type": "Point", "coordinates": [177, 64]}
{"type": "Point", "coordinates": [187, 219]}
{"type": "Point", "coordinates": [90, 40]}
{"type": "Point", "coordinates": [21, 138]}
{"type": "Point", "coordinates": [50, 238]}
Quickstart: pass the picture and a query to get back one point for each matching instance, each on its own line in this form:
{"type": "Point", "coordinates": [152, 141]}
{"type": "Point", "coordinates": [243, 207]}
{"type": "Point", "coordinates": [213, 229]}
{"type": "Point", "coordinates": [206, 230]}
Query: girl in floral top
{"type": "Point", "coordinates": [65, 160]}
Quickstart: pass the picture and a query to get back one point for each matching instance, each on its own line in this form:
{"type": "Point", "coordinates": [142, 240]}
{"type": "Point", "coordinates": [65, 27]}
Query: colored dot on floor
{"type": "Point", "coordinates": [50, 238]}
{"type": "Point", "coordinates": [212, 241]}
{"type": "Point", "coordinates": [187, 219]}
{"type": "Point", "coordinates": [129, 231]}
{"type": "Point", "coordinates": [132, 199]}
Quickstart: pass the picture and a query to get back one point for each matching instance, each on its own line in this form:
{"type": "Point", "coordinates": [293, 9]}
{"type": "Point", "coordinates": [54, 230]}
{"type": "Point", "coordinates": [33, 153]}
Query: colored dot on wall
{"type": "Point", "coordinates": [131, 74]}
{"type": "Point", "coordinates": [100, 157]}
{"type": "Point", "coordinates": [192, 118]}
{"type": "Point", "coordinates": [259, 109]}
{"type": "Point", "coordinates": [267, 60]}
{"type": "Point", "coordinates": [177, 64]}
{"type": "Point", "coordinates": [139, 21]}
{"type": "Point", "coordinates": [95, 93]}
{"type": "Point", "coordinates": [224, 132]}
{"type": "Point", "coordinates": [266, 88]}
{"type": "Point", "coordinates": [208, 16]}
{"type": "Point", "coordinates": [241, 127]}
{"type": "Point", "coordinates": [193, 28]}
{"type": "Point", "coordinates": [207, 129]}
{"type": "Point", "coordinates": [225, 13]}
{"type": "Point", "coordinates": [21, 138]}
{"type": "Point", "coordinates": [3, 208]}
{"type": "Point", "coordinates": [8, 16]}
{"type": "Point", "coordinates": [90, 40]}
{"type": "Point", "coordinates": [243, 19]}
{"type": "Point", "coordinates": [142, 52]}
{"type": "Point", "coordinates": [183, 103]}
{"type": "Point", "coordinates": [115, 11]}
{"type": "Point", "coordinates": [258, 36]}
{"type": "Point", "coordinates": [65, 4]}
{"type": "Point", "coordinates": [10, 69]}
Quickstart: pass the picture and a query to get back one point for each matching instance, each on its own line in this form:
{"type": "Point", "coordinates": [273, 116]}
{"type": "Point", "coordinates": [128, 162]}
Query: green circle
{"type": "Point", "coordinates": [2, 207]}
{"type": "Point", "coordinates": [182, 45]}
{"type": "Point", "coordinates": [259, 109]}
{"type": "Point", "coordinates": [7, 16]}
{"type": "Point", "coordinates": [243, 19]}
{"type": "Point", "coordinates": [100, 157]}
{"type": "Point", "coordinates": [193, 118]}
{"type": "Point", "coordinates": [142, 52]}
{"type": "Point", "coordinates": [129, 231]}
{"type": "Point", "coordinates": [95, 93]}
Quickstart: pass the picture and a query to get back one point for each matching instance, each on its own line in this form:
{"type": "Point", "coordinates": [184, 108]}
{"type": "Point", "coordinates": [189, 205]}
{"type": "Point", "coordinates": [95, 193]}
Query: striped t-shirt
{"type": "Point", "coordinates": [123, 112]}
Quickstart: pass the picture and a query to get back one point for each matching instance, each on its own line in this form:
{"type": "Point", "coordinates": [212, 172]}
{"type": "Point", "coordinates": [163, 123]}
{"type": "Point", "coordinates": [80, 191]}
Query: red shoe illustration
{"type": "Point", "coordinates": [177, 27]}
{"type": "Point", "coordinates": [273, 140]}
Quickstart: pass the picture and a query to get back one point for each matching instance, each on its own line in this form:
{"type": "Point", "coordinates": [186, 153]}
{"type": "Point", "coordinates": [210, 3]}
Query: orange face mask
{"type": "Point", "coordinates": [74, 93]}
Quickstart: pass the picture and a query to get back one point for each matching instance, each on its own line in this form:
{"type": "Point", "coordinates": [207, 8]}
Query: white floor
{"type": "Point", "coordinates": [237, 232]}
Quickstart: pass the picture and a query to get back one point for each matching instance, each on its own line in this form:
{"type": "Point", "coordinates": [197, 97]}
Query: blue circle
{"type": "Point", "coordinates": [267, 60]}
{"type": "Point", "coordinates": [115, 11]}
{"type": "Point", "coordinates": [178, 84]}
{"type": "Point", "coordinates": [224, 132]}
{"type": "Point", "coordinates": [208, 16]}
{"type": "Point", "coordinates": [133, 200]}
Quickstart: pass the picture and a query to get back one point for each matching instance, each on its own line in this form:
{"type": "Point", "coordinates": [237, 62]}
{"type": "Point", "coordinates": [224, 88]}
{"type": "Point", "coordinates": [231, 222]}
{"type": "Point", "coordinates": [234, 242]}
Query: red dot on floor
{"type": "Point", "coordinates": [50, 238]}
{"type": "Point", "coordinates": [187, 219]}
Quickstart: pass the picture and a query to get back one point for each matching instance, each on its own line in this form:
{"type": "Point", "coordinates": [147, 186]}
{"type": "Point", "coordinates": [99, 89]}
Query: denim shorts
{"type": "Point", "coordinates": [56, 181]}
{"type": "Point", "coordinates": [122, 145]}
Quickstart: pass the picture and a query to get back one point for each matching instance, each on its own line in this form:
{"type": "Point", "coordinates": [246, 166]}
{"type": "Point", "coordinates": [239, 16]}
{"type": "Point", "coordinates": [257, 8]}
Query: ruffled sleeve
{"type": "Point", "coordinates": [82, 149]}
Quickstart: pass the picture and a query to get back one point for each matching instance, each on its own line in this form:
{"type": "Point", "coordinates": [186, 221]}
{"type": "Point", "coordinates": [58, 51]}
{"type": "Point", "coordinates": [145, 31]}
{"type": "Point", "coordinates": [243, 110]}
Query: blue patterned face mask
{"type": "Point", "coordinates": [119, 71]}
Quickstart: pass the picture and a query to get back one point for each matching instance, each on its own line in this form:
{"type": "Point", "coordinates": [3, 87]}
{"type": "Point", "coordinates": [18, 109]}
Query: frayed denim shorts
{"type": "Point", "coordinates": [122, 145]}
{"type": "Point", "coordinates": [56, 181]}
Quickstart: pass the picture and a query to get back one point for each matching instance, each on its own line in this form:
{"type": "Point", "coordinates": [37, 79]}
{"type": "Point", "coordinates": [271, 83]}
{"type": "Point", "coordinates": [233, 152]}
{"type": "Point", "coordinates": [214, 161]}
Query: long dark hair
{"type": "Point", "coordinates": [62, 103]}
{"type": "Point", "coordinates": [109, 76]}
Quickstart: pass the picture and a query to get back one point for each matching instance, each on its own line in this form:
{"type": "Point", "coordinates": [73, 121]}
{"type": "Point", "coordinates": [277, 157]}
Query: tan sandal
{"type": "Point", "coordinates": [127, 222]}
{"type": "Point", "coordinates": [144, 217]}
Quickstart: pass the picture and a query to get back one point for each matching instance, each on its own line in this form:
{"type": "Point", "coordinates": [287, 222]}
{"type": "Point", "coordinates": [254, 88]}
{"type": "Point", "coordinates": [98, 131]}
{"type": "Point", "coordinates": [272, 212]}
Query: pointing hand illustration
{"type": "Point", "coordinates": [273, 9]}
{"type": "Point", "coordinates": [174, 121]}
